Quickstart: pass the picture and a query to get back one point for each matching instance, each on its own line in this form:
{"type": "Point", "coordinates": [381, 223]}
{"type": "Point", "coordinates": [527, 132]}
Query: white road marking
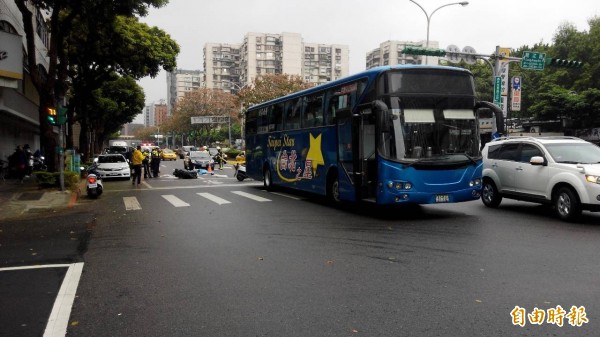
{"type": "Point", "coordinates": [61, 311]}
{"type": "Point", "coordinates": [214, 198]}
{"type": "Point", "coordinates": [131, 204]}
{"type": "Point", "coordinates": [175, 201]}
{"type": "Point", "coordinates": [250, 196]}
{"type": "Point", "coordinates": [284, 195]}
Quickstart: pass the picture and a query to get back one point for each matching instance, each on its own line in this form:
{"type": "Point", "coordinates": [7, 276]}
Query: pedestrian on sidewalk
{"type": "Point", "coordinates": [17, 163]}
{"type": "Point", "coordinates": [137, 158]}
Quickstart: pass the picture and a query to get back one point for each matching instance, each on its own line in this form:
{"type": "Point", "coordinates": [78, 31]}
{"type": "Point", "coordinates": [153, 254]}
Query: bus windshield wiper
{"type": "Point", "coordinates": [427, 159]}
{"type": "Point", "coordinates": [471, 159]}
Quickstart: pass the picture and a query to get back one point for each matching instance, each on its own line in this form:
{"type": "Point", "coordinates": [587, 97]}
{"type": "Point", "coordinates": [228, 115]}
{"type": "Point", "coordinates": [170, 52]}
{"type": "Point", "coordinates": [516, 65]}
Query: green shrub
{"type": "Point", "coordinates": [52, 179]}
{"type": "Point", "coordinates": [232, 153]}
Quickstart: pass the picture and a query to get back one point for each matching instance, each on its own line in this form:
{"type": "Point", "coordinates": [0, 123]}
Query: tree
{"type": "Point", "coordinates": [52, 85]}
{"type": "Point", "coordinates": [127, 47]}
{"type": "Point", "coordinates": [115, 103]}
{"type": "Point", "coordinates": [203, 102]}
{"type": "Point", "coordinates": [266, 87]}
{"type": "Point", "coordinates": [567, 93]}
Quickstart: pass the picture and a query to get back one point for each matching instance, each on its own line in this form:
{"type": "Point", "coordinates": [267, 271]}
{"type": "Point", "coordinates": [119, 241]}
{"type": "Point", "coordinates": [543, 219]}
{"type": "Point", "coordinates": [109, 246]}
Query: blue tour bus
{"type": "Point", "coordinates": [405, 134]}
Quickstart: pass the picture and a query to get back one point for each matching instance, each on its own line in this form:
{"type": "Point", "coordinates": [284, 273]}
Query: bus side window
{"type": "Point", "coordinates": [251, 122]}
{"type": "Point", "coordinates": [313, 112]}
{"type": "Point", "coordinates": [293, 114]}
{"type": "Point", "coordinates": [262, 121]}
{"type": "Point", "coordinates": [276, 117]}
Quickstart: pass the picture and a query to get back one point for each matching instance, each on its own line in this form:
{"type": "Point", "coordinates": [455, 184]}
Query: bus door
{"type": "Point", "coordinates": [347, 154]}
{"type": "Point", "coordinates": [367, 156]}
{"type": "Point", "coordinates": [356, 148]}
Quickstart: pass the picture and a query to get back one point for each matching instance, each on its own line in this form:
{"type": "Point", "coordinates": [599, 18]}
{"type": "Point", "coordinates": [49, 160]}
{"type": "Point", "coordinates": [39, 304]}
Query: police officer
{"type": "Point", "coordinates": [146, 164]}
{"type": "Point", "coordinates": [155, 161]}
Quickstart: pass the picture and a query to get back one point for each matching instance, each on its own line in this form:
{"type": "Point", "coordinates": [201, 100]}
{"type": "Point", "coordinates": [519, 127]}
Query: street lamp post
{"type": "Point", "coordinates": [239, 88]}
{"type": "Point", "coordinates": [462, 3]}
{"type": "Point", "coordinates": [158, 135]}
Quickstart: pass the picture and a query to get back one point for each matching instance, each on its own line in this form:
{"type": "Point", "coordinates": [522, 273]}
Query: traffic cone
{"type": "Point", "coordinates": [210, 171]}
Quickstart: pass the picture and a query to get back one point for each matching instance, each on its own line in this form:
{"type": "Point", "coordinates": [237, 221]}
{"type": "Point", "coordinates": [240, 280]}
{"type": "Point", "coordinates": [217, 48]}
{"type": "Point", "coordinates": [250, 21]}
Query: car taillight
{"type": "Point", "coordinates": [91, 180]}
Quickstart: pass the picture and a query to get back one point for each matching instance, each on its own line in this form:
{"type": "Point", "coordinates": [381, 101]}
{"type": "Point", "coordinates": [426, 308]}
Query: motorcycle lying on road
{"type": "Point", "coordinates": [240, 172]}
{"type": "Point", "coordinates": [93, 184]}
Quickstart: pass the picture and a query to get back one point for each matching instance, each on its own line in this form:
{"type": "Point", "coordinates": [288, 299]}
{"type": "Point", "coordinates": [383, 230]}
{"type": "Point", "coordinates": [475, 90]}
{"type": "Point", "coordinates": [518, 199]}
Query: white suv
{"type": "Point", "coordinates": [561, 171]}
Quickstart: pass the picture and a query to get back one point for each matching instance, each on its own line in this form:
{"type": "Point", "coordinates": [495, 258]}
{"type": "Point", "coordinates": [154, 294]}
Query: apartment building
{"type": "Point", "coordinates": [232, 66]}
{"type": "Point", "coordinates": [390, 53]}
{"type": "Point", "coordinates": [19, 100]}
{"type": "Point", "coordinates": [221, 65]}
{"type": "Point", "coordinates": [324, 63]}
{"type": "Point", "coordinates": [179, 83]}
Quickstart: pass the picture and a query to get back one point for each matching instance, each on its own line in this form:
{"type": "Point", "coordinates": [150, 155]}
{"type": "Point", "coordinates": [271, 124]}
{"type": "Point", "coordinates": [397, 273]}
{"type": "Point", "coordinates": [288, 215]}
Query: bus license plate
{"type": "Point", "coordinates": [442, 198]}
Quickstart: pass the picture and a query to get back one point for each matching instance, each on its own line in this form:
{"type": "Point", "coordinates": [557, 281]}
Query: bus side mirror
{"type": "Point", "coordinates": [378, 106]}
{"type": "Point", "coordinates": [498, 114]}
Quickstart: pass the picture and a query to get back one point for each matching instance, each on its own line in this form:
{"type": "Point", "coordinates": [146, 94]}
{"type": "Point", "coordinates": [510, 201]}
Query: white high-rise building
{"type": "Point", "coordinates": [180, 82]}
{"type": "Point", "coordinates": [323, 63]}
{"type": "Point", "coordinates": [232, 66]}
{"type": "Point", "coordinates": [221, 65]}
{"type": "Point", "coordinates": [390, 53]}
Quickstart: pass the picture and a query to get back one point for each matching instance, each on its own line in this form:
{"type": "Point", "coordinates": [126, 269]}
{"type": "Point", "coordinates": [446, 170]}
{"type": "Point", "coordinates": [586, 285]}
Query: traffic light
{"type": "Point", "coordinates": [51, 116]}
{"type": "Point", "coordinates": [62, 116]}
{"type": "Point", "coordinates": [423, 51]}
{"type": "Point", "coordinates": [563, 63]}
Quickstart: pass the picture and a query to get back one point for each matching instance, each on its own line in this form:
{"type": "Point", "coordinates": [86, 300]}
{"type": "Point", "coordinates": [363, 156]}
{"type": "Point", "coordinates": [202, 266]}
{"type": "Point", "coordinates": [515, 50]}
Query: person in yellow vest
{"type": "Point", "coordinates": [155, 161]}
{"type": "Point", "coordinates": [146, 164]}
{"type": "Point", "coordinates": [137, 157]}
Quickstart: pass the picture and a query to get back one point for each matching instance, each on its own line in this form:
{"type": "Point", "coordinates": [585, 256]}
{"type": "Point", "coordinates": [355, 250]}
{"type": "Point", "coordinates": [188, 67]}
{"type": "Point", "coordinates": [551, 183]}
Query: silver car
{"type": "Point", "coordinates": [113, 165]}
{"type": "Point", "coordinates": [563, 172]}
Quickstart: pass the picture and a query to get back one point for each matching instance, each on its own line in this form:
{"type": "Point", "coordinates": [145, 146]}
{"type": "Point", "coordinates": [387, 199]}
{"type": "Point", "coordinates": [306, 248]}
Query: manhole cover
{"type": "Point", "coordinates": [31, 196]}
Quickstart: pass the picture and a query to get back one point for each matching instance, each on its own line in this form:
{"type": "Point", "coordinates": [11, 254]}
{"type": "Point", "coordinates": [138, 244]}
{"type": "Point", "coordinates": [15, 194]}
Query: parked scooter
{"type": "Point", "coordinates": [93, 184]}
{"type": "Point", "coordinates": [240, 172]}
{"type": "Point", "coordinates": [39, 164]}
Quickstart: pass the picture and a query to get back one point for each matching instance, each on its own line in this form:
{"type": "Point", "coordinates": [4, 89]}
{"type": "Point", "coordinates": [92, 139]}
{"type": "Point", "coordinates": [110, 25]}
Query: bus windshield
{"type": "Point", "coordinates": [430, 116]}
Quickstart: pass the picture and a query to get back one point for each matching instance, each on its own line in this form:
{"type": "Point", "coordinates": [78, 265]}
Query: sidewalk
{"type": "Point", "coordinates": [27, 198]}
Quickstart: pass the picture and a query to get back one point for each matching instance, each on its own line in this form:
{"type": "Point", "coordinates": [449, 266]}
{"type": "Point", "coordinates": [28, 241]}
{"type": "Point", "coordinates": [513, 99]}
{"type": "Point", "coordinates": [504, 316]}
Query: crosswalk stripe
{"type": "Point", "coordinates": [175, 201]}
{"type": "Point", "coordinates": [214, 198]}
{"type": "Point", "coordinates": [250, 196]}
{"type": "Point", "coordinates": [131, 204]}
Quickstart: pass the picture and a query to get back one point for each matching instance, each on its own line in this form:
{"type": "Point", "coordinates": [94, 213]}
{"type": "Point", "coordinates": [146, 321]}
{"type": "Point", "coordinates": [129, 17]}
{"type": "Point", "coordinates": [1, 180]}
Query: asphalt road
{"type": "Point", "coordinates": [216, 257]}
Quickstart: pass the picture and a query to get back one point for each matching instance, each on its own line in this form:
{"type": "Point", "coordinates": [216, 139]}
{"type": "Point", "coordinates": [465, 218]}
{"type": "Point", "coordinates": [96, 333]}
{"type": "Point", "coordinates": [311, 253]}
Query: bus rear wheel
{"type": "Point", "coordinates": [267, 182]}
{"type": "Point", "coordinates": [333, 189]}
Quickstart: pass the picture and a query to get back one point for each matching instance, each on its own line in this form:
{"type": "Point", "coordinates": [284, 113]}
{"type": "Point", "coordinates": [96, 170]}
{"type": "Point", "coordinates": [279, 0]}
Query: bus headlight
{"type": "Point", "coordinates": [593, 179]}
{"type": "Point", "coordinates": [399, 185]}
{"type": "Point", "coordinates": [475, 182]}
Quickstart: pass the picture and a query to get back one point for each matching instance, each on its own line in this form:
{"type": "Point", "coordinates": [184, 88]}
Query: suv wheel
{"type": "Point", "coordinates": [489, 194]}
{"type": "Point", "coordinates": [566, 204]}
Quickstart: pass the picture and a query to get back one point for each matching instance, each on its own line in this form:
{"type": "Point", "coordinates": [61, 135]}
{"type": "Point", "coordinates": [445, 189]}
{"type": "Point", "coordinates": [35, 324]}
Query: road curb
{"type": "Point", "coordinates": [76, 194]}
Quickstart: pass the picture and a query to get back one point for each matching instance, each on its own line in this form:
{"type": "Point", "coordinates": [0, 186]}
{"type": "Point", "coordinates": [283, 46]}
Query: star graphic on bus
{"type": "Point", "coordinates": [314, 152]}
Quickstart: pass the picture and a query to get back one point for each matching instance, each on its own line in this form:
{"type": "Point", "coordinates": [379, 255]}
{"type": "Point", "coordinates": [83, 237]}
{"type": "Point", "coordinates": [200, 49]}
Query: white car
{"type": "Point", "coordinates": [560, 171]}
{"type": "Point", "coordinates": [113, 165]}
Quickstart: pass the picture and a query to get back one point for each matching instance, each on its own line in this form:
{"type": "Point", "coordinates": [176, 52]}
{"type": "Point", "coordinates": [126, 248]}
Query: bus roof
{"type": "Point", "coordinates": [369, 73]}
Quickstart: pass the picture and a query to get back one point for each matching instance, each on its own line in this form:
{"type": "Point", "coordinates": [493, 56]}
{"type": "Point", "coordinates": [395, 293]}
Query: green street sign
{"type": "Point", "coordinates": [498, 90]}
{"type": "Point", "coordinates": [533, 60]}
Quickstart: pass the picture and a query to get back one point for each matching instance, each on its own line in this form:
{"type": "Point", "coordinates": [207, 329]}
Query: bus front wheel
{"type": "Point", "coordinates": [267, 182]}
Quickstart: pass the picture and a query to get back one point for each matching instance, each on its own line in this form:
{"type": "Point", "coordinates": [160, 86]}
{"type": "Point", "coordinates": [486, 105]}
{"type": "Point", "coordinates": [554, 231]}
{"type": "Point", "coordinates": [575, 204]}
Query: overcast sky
{"type": "Point", "coordinates": [362, 25]}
